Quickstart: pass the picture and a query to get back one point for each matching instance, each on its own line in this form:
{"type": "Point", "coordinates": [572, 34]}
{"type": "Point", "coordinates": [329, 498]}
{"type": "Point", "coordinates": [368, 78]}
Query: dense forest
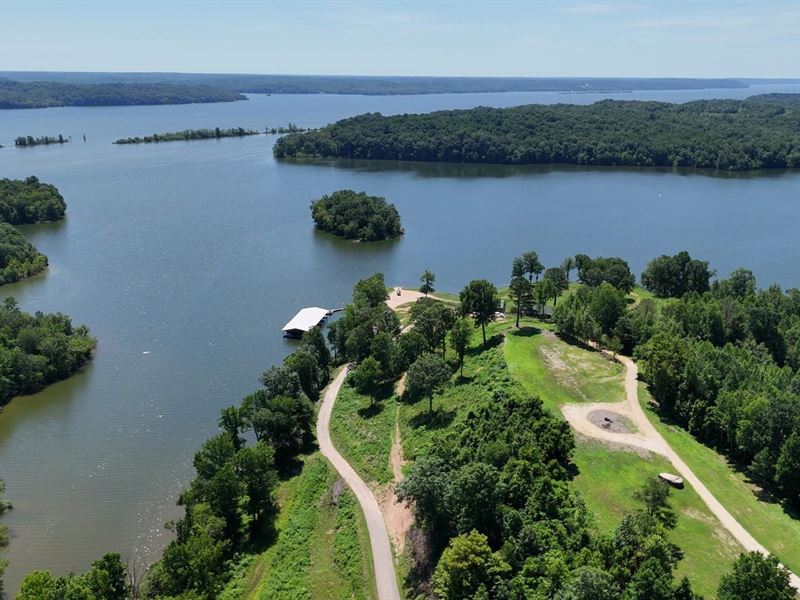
{"type": "Point", "coordinates": [356, 216]}
{"type": "Point", "coordinates": [189, 134]}
{"type": "Point", "coordinates": [24, 201]}
{"type": "Point", "coordinates": [756, 133]}
{"type": "Point", "coordinates": [45, 140]}
{"type": "Point", "coordinates": [382, 85]}
{"type": "Point", "coordinates": [44, 94]}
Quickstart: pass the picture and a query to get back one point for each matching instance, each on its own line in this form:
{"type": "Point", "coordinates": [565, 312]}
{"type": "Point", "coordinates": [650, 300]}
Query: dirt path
{"type": "Point", "coordinates": [649, 438]}
{"type": "Point", "coordinates": [385, 577]}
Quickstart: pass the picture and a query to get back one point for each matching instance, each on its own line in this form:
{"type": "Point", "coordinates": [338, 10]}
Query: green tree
{"type": "Point", "coordinates": [568, 265]}
{"type": "Point", "coordinates": [527, 264]}
{"type": "Point", "coordinates": [479, 299]}
{"type": "Point", "coordinates": [427, 279]}
{"type": "Point", "coordinates": [469, 569]}
{"type": "Point", "coordinates": [460, 336]}
{"type": "Point", "coordinates": [560, 282]}
{"type": "Point", "coordinates": [590, 583]}
{"type": "Point", "coordinates": [521, 293]}
{"type": "Point", "coordinates": [428, 373]}
{"type": "Point", "coordinates": [756, 577]}
{"type": "Point", "coordinates": [654, 496]}
{"type": "Point", "coordinates": [787, 469]}
{"type": "Point", "coordinates": [543, 291]}
{"type": "Point", "coordinates": [231, 421]}
{"type": "Point", "coordinates": [433, 320]}
{"type": "Point", "coordinates": [367, 377]}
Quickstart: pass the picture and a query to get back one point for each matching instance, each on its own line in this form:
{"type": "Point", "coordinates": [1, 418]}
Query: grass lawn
{"type": "Point", "coordinates": [362, 432]}
{"type": "Point", "coordinates": [560, 373]}
{"type": "Point", "coordinates": [322, 550]}
{"type": "Point", "coordinates": [777, 530]}
{"type": "Point", "coordinates": [606, 481]}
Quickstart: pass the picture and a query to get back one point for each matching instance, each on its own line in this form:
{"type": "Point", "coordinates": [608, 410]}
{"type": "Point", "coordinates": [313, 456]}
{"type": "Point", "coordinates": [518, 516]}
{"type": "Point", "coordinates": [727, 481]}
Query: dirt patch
{"type": "Point", "coordinates": [561, 370]}
{"type": "Point", "coordinates": [610, 421]}
{"type": "Point", "coordinates": [398, 517]}
{"type": "Point", "coordinates": [400, 386]}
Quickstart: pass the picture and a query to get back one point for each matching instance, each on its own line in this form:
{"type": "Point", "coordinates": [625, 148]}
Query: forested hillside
{"type": "Point", "coordinates": [43, 94]}
{"type": "Point", "coordinates": [29, 201]}
{"type": "Point", "coordinates": [759, 132]}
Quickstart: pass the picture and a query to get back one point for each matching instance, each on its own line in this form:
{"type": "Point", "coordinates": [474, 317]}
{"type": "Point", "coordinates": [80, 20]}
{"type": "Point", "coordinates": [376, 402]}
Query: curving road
{"type": "Point", "coordinates": [648, 437]}
{"type": "Point", "coordinates": [382, 559]}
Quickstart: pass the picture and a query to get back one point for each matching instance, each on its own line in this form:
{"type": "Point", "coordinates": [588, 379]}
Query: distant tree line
{"type": "Point", "coordinates": [356, 216]}
{"type": "Point", "coordinates": [189, 134]}
{"type": "Point", "coordinates": [757, 133]}
{"type": "Point", "coordinates": [388, 85]}
{"type": "Point", "coordinates": [29, 140]}
{"type": "Point", "coordinates": [43, 94]}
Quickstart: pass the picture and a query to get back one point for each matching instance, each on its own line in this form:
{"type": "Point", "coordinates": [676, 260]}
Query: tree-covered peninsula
{"type": "Point", "coordinates": [37, 350]}
{"type": "Point", "coordinates": [760, 132]}
{"type": "Point", "coordinates": [44, 94]}
{"type": "Point", "coordinates": [189, 134]}
{"type": "Point", "coordinates": [24, 201]}
{"type": "Point", "coordinates": [357, 216]}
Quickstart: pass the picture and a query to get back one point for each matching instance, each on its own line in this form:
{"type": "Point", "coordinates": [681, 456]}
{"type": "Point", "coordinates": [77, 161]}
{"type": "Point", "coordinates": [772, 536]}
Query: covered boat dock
{"type": "Point", "coordinates": [306, 319]}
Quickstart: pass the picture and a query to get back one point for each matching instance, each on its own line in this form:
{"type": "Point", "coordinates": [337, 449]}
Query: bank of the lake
{"type": "Point", "coordinates": [186, 259]}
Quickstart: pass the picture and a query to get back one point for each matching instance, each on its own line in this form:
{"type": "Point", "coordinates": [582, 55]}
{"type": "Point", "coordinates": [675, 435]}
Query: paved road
{"type": "Point", "coordinates": [382, 559]}
{"type": "Point", "coordinates": [659, 444]}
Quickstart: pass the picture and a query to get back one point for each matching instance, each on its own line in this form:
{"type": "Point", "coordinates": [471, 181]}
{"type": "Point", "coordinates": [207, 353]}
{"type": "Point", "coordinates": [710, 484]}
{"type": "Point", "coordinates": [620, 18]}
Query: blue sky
{"type": "Point", "coordinates": [502, 38]}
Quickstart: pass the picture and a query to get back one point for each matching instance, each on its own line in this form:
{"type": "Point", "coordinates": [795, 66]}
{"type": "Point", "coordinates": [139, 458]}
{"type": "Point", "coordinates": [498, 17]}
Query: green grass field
{"type": "Point", "coordinates": [777, 530]}
{"type": "Point", "coordinates": [322, 549]}
{"type": "Point", "coordinates": [560, 373]}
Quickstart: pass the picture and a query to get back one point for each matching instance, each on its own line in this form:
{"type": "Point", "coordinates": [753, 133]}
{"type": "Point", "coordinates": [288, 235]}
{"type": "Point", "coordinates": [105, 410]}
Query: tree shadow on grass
{"type": "Point", "coordinates": [373, 410]}
{"type": "Point", "coordinates": [438, 419]}
{"type": "Point", "coordinates": [525, 331]}
{"type": "Point", "coordinates": [491, 342]}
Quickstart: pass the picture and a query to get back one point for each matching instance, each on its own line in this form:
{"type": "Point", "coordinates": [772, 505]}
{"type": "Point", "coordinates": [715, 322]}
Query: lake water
{"type": "Point", "coordinates": [186, 258]}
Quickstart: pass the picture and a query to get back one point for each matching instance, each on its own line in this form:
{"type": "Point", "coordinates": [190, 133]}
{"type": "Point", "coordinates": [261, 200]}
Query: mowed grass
{"type": "Point", "coordinates": [362, 432]}
{"type": "Point", "coordinates": [767, 522]}
{"type": "Point", "coordinates": [607, 479]}
{"type": "Point", "coordinates": [561, 373]}
{"type": "Point", "coordinates": [322, 547]}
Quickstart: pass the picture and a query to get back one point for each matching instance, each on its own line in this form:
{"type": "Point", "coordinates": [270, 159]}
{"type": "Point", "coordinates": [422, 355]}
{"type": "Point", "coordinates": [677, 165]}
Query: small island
{"type": "Point", "coordinates": [188, 135]}
{"type": "Point", "coordinates": [357, 216]}
{"type": "Point", "coordinates": [45, 140]}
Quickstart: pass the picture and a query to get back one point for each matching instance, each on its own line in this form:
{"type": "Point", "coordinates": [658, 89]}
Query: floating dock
{"type": "Point", "coordinates": [306, 319]}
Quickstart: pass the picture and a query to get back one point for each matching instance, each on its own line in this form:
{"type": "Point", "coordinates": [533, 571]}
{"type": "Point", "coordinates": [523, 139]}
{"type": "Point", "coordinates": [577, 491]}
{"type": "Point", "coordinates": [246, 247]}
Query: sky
{"type": "Point", "coordinates": [456, 38]}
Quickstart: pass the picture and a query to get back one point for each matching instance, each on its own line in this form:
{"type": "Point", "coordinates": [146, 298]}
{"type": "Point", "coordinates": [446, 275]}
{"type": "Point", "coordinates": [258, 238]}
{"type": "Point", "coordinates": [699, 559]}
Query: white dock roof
{"type": "Point", "coordinates": [306, 319]}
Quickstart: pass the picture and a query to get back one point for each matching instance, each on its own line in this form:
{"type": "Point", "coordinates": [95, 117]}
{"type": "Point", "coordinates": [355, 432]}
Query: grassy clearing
{"type": "Point", "coordinates": [777, 530]}
{"type": "Point", "coordinates": [606, 481]}
{"type": "Point", "coordinates": [561, 373]}
{"type": "Point", "coordinates": [322, 549]}
{"type": "Point", "coordinates": [362, 432]}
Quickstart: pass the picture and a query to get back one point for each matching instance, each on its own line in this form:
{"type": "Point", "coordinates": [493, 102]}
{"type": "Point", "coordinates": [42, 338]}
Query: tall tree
{"type": "Point", "coordinates": [521, 293]}
{"type": "Point", "coordinates": [460, 335]}
{"type": "Point", "coordinates": [367, 377]}
{"type": "Point", "coordinates": [428, 373]}
{"type": "Point", "coordinates": [560, 281]}
{"type": "Point", "coordinates": [427, 279]}
{"type": "Point", "coordinates": [479, 299]}
{"type": "Point", "coordinates": [543, 291]}
{"type": "Point", "coordinates": [568, 265]}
